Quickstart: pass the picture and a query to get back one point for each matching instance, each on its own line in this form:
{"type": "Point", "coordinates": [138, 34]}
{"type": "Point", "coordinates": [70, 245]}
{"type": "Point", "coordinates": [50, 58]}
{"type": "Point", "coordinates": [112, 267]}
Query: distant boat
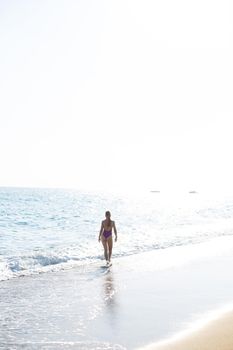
{"type": "Point", "coordinates": [192, 191]}
{"type": "Point", "coordinates": [153, 191]}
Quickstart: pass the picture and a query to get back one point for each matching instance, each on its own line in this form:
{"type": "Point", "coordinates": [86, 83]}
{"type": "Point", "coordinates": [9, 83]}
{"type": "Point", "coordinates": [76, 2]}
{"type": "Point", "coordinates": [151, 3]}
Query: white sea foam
{"type": "Point", "coordinates": [5, 272]}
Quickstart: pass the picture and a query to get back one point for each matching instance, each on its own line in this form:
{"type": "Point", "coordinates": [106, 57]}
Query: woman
{"type": "Point", "coordinates": [105, 236]}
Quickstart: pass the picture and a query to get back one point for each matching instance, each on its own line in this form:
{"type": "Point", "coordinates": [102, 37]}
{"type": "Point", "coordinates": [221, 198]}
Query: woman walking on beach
{"type": "Point", "coordinates": [105, 236]}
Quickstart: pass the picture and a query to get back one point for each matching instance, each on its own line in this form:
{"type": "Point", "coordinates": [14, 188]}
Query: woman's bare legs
{"type": "Point", "coordinates": [110, 248]}
{"type": "Point", "coordinates": [107, 244]}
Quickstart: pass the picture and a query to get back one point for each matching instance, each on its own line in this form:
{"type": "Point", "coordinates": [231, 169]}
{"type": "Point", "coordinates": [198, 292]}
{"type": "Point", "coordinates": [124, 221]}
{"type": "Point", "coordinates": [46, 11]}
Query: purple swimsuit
{"type": "Point", "coordinates": [107, 234]}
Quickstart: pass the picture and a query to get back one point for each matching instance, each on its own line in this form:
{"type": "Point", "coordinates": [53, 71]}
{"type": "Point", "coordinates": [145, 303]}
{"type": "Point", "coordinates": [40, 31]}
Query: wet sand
{"type": "Point", "coordinates": [138, 301]}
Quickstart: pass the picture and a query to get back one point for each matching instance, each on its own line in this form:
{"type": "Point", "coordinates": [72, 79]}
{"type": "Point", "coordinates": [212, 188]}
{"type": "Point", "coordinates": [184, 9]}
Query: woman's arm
{"type": "Point", "coordinates": [115, 230]}
{"type": "Point", "coordinates": [101, 229]}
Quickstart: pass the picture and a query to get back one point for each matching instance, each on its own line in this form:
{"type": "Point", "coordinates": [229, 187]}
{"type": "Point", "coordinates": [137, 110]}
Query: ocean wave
{"type": "Point", "coordinates": [17, 266]}
{"type": "Point", "coordinates": [34, 263]}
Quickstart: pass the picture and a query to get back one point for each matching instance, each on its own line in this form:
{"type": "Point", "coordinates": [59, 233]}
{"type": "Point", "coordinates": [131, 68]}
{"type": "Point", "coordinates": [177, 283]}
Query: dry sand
{"type": "Point", "coordinates": [216, 335]}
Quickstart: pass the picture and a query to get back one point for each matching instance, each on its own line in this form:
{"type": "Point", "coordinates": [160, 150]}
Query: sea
{"type": "Point", "coordinates": [44, 232]}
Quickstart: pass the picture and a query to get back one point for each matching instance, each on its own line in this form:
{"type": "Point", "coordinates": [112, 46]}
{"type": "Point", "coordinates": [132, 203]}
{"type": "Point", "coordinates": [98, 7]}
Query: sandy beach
{"type": "Point", "coordinates": [216, 335]}
{"type": "Point", "coordinates": [129, 306]}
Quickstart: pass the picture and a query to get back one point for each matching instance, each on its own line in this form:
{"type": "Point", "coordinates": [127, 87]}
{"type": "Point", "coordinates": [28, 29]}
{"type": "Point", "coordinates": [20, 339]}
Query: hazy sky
{"type": "Point", "coordinates": [116, 94]}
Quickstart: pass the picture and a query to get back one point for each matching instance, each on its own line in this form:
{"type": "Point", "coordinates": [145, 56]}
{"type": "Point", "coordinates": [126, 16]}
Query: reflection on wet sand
{"type": "Point", "coordinates": [109, 295]}
{"type": "Point", "coordinates": [109, 290]}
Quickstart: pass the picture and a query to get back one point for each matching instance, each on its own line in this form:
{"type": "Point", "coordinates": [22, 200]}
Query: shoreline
{"type": "Point", "coordinates": [138, 301]}
{"type": "Point", "coordinates": [216, 334]}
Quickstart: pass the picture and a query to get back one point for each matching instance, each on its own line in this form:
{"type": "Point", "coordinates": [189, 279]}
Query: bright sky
{"type": "Point", "coordinates": [116, 94]}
